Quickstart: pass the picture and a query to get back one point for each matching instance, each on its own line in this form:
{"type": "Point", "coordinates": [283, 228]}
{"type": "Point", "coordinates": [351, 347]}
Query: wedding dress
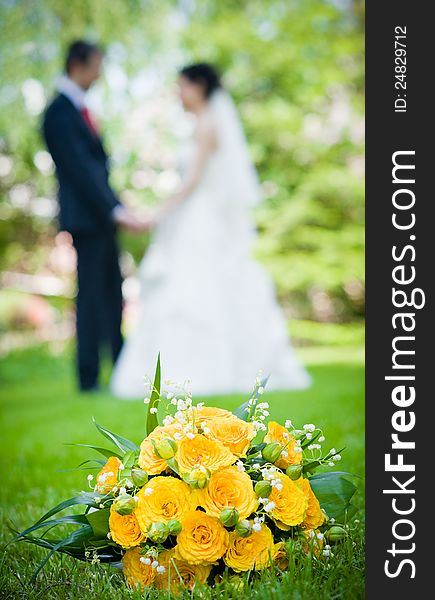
{"type": "Point", "coordinates": [206, 305]}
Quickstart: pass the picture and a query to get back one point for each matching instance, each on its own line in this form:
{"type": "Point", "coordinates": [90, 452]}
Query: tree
{"type": "Point", "coordinates": [295, 69]}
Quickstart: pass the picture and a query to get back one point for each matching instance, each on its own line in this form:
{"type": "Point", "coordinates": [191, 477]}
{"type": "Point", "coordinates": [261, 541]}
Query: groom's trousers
{"type": "Point", "coordinates": [99, 302]}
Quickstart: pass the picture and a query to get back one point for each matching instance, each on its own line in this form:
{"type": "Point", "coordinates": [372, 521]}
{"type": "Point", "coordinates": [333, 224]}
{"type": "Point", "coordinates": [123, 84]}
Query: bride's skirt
{"type": "Point", "coordinates": [209, 309]}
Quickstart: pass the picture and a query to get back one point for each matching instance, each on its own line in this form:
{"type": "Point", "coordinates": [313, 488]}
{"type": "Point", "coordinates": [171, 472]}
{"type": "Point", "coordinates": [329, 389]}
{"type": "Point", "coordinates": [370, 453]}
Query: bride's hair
{"type": "Point", "coordinates": [202, 74]}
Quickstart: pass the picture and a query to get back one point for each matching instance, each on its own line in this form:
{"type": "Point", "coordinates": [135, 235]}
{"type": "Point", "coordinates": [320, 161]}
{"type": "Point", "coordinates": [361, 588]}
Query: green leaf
{"type": "Point", "coordinates": [334, 493]}
{"type": "Point", "coordinates": [99, 521]}
{"type": "Point", "coordinates": [86, 498]}
{"type": "Point", "coordinates": [106, 551]}
{"type": "Point", "coordinates": [173, 464]}
{"type": "Point", "coordinates": [129, 459]}
{"type": "Point", "coordinates": [252, 460]}
{"type": "Point", "coordinates": [152, 422]}
{"type": "Point", "coordinates": [100, 463]}
{"type": "Point", "coordinates": [329, 455]}
{"type": "Point", "coordinates": [68, 519]}
{"type": "Point", "coordinates": [329, 474]}
{"type": "Point", "coordinates": [257, 448]}
{"type": "Point", "coordinates": [104, 451]}
{"type": "Point", "coordinates": [307, 443]}
{"type": "Point", "coordinates": [120, 442]}
{"type": "Point", "coordinates": [92, 460]}
{"type": "Point", "coordinates": [80, 534]}
{"type": "Point", "coordinates": [310, 467]}
{"type": "Point", "coordinates": [245, 410]}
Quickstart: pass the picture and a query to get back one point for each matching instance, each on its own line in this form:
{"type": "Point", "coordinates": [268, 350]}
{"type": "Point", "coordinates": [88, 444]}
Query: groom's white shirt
{"type": "Point", "coordinates": [72, 91]}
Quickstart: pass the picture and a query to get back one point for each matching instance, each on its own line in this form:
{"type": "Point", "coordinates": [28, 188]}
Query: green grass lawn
{"type": "Point", "coordinates": [41, 411]}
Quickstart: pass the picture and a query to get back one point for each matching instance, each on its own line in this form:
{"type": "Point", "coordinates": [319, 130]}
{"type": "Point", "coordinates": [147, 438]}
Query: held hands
{"type": "Point", "coordinates": [134, 221]}
{"type": "Point", "coordinates": [140, 221]}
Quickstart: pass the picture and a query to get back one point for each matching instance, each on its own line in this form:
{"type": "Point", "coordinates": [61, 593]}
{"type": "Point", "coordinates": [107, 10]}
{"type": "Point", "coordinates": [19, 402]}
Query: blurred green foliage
{"type": "Point", "coordinates": [295, 69]}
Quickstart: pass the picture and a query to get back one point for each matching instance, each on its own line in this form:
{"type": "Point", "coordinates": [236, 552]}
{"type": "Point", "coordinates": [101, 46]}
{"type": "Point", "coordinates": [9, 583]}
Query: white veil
{"type": "Point", "coordinates": [239, 170]}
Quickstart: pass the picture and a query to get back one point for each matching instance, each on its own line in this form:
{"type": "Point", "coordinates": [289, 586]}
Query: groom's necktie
{"type": "Point", "coordinates": [88, 120]}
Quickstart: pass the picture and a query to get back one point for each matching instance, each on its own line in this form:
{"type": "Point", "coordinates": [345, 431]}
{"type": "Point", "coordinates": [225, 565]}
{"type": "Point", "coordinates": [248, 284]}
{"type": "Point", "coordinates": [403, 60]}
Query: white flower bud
{"type": "Point", "coordinates": [269, 506]}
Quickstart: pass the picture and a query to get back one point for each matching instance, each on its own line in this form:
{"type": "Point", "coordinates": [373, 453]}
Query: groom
{"type": "Point", "coordinates": [89, 210]}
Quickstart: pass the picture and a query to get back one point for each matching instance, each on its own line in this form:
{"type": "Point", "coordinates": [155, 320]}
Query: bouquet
{"type": "Point", "coordinates": [207, 494]}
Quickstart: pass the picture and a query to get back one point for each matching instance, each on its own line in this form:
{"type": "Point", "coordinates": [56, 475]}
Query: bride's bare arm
{"type": "Point", "coordinates": [206, 143]}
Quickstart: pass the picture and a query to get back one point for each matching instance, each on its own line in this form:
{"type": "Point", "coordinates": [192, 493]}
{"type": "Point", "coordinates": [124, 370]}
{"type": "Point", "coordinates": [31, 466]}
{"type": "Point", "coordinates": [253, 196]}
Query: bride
{"type": "Point", "coordinates": [206, 305]}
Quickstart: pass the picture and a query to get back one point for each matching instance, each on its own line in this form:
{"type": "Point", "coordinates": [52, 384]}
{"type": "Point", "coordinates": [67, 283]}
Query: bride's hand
{"type": "Point", "coordinates": [146, 220]}
{"type": "Point", "coordinates": [162, 211]}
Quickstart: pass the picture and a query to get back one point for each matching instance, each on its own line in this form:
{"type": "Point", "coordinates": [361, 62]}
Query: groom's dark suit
{"type": "Point", "coordinates": [86, 210]}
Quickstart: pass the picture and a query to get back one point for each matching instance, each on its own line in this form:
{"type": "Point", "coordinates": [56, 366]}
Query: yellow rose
{"type": "Point", "coordinates": [125, 529]}
{"type": "Point", "coordinates": [314, 516]}
{"type": "Point", "coordinates": [253, 552]}
{"type": "Point", "coordinates": [227, 488]}
{"type": "Point", "coordinates": [231, 431]}
{"type": "Point", "coordinates": [278, 433]}
{"type": "Point", "coordinates": [201, 451]}
{"type": "Point", "coordinates": [203, 539]}
{"type": "Point", "coordinates": [211, 412]}
{"type": "Point", "coordinates": [176, 568]}
{"type": "Point", "coordinates": [137, 574]}
{"type": "Point", "coordinates": [107, 478]}
{"type": "Point", "coordinates": [290, 503]}
{"type": "Point", "coordinates": [148, 459]}
{"type": "Point", "coordinates": [162, 499]}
